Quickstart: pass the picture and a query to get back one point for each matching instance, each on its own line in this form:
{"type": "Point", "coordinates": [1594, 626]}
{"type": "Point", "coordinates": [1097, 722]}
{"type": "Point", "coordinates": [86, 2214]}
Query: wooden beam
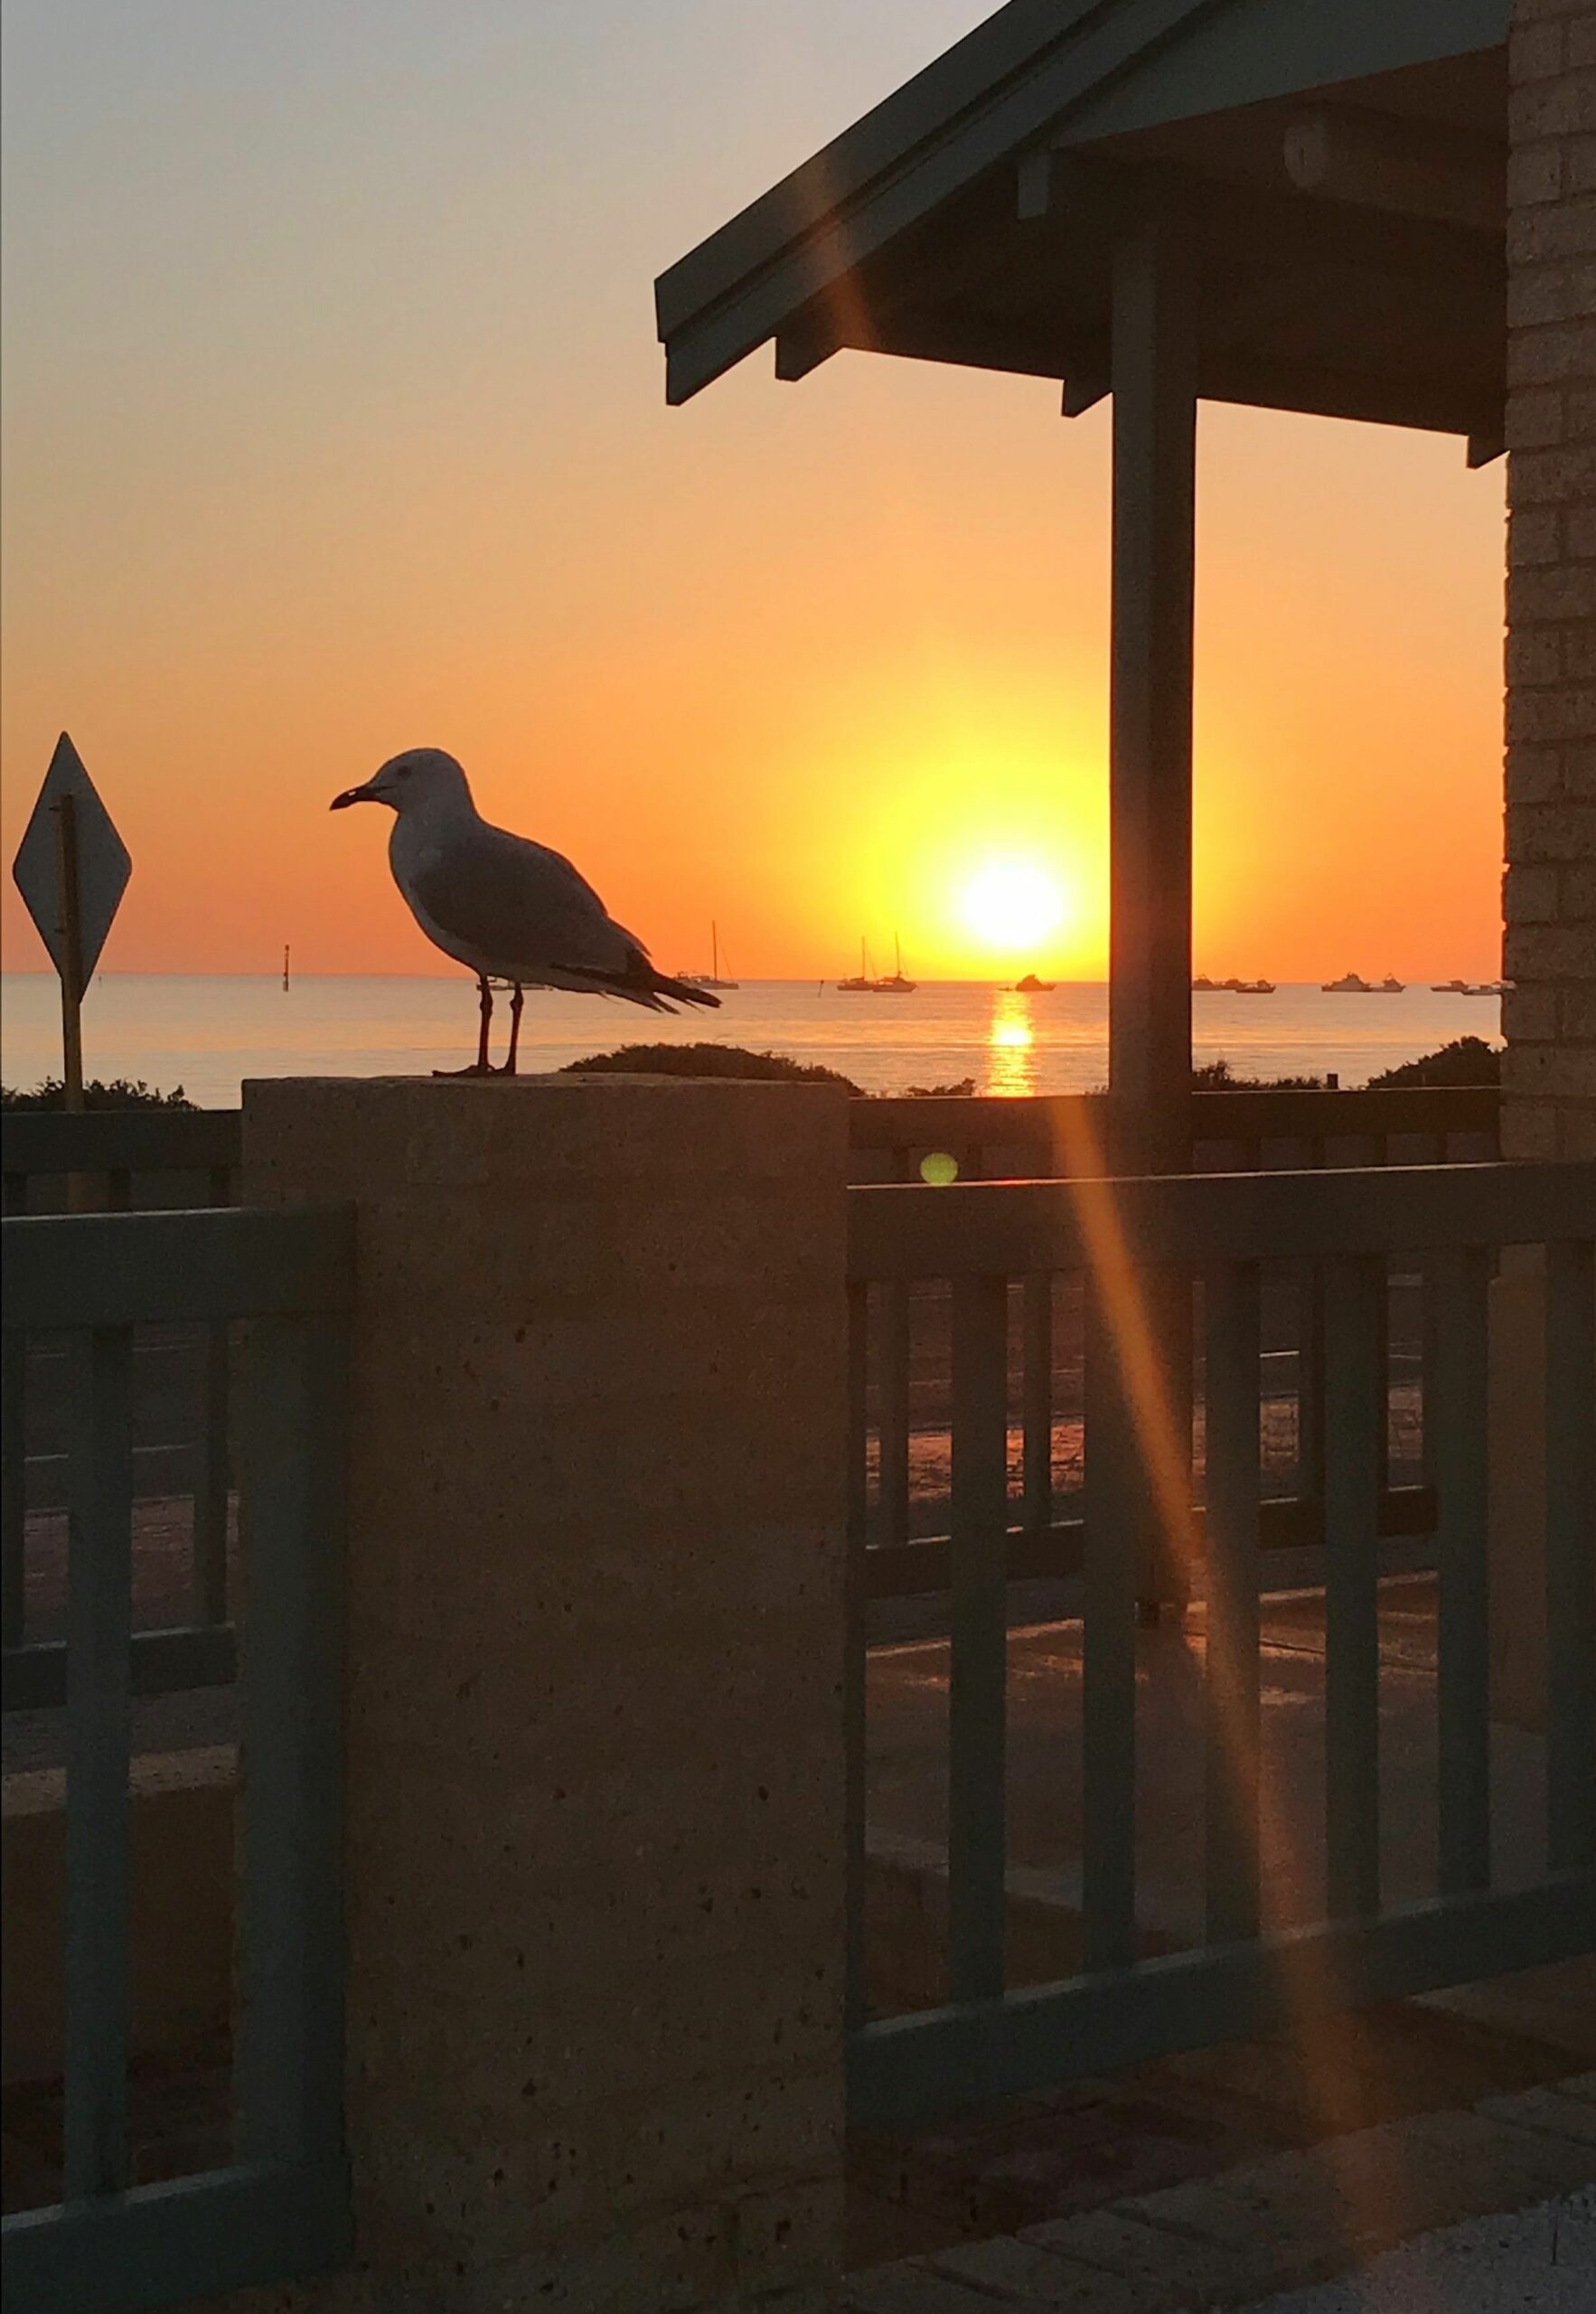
{"type": "Point", "coordinates": [806, 342]}
{"type": "Point", "coordinates": [1409, 167]}
{"type": "Point", "coordinates": [1084, 388]}
{"type": "Point", "coordinates": [1154, 379]}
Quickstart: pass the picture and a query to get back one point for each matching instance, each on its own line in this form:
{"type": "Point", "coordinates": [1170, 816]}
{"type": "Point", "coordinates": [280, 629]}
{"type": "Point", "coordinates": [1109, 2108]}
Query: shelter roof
{"type": "Point", "coordinates": [1341, 169]}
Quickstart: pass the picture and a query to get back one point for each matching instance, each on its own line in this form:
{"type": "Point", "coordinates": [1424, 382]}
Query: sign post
{"type": "Point", "coordinates": [71, 868]}
{"type": "Point", "coordinates": [65, 809]}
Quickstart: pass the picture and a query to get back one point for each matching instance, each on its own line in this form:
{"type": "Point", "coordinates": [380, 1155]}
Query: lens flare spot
{"type": "Point", "coordinates": [939, 1170]}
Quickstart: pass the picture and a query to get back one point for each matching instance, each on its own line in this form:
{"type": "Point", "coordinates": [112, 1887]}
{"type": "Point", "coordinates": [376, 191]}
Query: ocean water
{"type": "Point", "coordinates": [209, 1034]}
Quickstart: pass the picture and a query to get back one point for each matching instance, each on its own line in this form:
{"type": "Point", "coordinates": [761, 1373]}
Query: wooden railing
{"type": "Point", "coordinates": [281, 2205]}
{"type": "Point", "coordinates": [110, 1160]}
{"type": "Point", "coordinates": [1124, 1241]}
{"type": "Point", "coordinates": [1049, 1137]}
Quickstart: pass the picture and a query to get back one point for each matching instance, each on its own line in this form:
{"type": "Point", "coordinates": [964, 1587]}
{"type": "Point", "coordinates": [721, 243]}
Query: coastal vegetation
{"type": "Point", "coordinates": [1466, 1060]}
{"type": "Point", "coordinates": [117, 1093]}
{"type": "Point", "coordinates": [706, 1060]}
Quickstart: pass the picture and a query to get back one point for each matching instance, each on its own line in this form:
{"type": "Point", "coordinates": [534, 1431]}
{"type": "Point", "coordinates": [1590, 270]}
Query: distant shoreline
{"type": "Point", "coordinates": [1420, 982]}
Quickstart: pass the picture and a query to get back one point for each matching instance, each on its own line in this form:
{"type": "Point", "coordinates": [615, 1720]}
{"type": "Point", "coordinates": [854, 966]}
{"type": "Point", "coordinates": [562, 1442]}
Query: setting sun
{"type": "Point", "coordinates": [1011, 904]}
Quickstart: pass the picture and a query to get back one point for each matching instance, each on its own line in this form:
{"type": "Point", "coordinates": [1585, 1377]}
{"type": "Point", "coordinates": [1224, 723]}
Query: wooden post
{"type": "Point", "coordinates": [1154, 379]}
{"type": "Point", "coordinates": [71, 973]}
{"type": "Point", "coordinates": [1150, 711]}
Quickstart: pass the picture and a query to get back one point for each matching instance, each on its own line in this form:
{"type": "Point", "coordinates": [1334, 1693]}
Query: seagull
{"type": "Point", "coordinates": [509, 910]}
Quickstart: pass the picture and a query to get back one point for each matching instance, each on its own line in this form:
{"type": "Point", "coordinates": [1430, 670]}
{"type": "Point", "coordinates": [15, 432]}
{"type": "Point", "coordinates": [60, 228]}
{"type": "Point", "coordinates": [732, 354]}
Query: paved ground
{"type": "Point", "coordinates": [1304, 2219]}
{"type": "Point", "coordinates": [1539, 2262]}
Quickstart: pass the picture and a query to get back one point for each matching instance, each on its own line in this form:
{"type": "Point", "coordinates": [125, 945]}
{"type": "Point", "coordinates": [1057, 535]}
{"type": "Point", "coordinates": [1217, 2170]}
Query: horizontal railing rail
{"type": "Point", "coordinates": [974, 1229]}
{"type": "Point", "coordinates": [1174, 1278]}
{"type": "Point", "coordinates": [1068, 1135]}
{"type": "Point", "coordinates": [123, 1269]}
{"type": "Point", "coordinates": [281, 2206]}
{"type": "Point", "coordinates": [42, 1141]}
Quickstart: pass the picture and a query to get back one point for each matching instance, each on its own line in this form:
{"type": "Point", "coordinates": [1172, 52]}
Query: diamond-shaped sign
{"type": "Point", "coordinates": [103, 866]}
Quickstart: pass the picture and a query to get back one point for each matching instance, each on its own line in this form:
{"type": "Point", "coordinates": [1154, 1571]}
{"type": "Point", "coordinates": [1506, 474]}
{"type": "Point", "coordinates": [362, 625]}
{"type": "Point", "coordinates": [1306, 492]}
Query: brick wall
{"type": "Point", "coordinates": [1550, 892]}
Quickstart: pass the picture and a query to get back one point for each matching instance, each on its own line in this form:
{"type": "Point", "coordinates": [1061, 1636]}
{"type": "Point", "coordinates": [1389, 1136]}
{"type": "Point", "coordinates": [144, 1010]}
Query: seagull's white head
{"type": "Point", "coordinates": [423, 779]}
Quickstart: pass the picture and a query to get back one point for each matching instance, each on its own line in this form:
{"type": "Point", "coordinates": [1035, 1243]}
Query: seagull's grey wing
{"type": "Point", "coordinates": [525, 907]}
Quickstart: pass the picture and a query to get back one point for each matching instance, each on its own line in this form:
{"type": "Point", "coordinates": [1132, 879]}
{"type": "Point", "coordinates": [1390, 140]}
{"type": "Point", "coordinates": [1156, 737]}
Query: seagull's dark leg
{"type": "Point", "coordinates": [480, 1067]}
{"type": "Point", "coordinates": [518, 999]}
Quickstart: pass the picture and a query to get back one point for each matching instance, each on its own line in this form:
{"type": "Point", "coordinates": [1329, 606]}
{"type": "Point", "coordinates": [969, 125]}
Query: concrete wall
{"type": "Point", "coordinates": [594, 1863]}
{"type": "Point", "coordinates": [1549, 1109]}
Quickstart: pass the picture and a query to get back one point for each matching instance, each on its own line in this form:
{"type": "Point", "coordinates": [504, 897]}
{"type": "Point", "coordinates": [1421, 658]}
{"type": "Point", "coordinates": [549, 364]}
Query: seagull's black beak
{"type": "Point", "coordinates": [351, 795]}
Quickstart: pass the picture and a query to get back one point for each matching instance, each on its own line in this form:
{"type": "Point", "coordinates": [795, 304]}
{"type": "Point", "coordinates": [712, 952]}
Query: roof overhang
{"type": "Point", "coordinates": [1340, 170]}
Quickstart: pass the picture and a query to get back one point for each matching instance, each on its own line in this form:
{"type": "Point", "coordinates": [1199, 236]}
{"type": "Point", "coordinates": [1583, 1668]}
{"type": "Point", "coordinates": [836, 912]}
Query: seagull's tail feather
{"type": "Point", "coordinates": [661, 985]}
{"type": "Point", "coordinates": [640, 985]}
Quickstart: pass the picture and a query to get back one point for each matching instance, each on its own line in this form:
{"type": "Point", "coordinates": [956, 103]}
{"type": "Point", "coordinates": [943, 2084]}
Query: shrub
{"type": "Point", "coordinates": [1218, 1077]}
{"type": "Point", "coordinates": [120, 1093]}
{"type": "Point", "coordinates": [1467, 1061]}
{"type": "Point", "coordinates": [706, 1060]}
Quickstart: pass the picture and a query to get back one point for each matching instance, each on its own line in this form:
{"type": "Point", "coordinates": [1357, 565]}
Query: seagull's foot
{"type": "Point", "coordinates": [471, 1068]}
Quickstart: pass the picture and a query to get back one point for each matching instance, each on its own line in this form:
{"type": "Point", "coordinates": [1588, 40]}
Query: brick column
{"type": "Point", "coordinates": [595, 1843]}
{"type": "Point", "coordinates": [1549, 1078]}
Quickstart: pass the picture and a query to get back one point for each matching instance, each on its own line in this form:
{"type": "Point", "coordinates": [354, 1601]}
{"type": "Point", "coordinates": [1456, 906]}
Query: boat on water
{"type": "Point", "coordinates": [1031, 986]}
{"type": "Point", "coordinates": [1204, 986]}
{"type": "Point", "coordinates": [712, 979]}
{"type": "Point", "coordinates": [1465, 988]}
{"type": "Point", "coordinates": [863, 982]}
{"type": "Point", "coordinates": [894, 984]}
{"type": "Point", "coordinates": [1353, 984]}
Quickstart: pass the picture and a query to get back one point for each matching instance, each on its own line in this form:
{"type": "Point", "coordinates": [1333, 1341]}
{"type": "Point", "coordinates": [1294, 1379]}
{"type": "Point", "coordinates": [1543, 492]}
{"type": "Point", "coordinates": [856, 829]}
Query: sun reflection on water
{"type": "Point", "coordinates": [1011, 1068]}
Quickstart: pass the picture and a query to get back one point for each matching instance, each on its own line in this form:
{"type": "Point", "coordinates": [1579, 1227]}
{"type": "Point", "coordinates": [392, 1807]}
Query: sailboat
{"type": "Point", "coordinates": [895, 984]}
{"type": "Point", "coordinates": [712, 979]}
{"type": "Point", "coordinates": [863, 983]}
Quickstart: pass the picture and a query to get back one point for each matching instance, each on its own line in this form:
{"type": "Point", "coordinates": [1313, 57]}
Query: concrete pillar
{"type": "Point", "coordinates": [595, 1773]}
{"type": "Point", "coordinates": [1549, 1078]}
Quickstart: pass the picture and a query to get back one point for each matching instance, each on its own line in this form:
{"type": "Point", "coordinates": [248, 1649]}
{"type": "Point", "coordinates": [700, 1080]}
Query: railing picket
{"type": "Point", "coordinates": [213, 1473]}
{"type": "Point", "coordinates": [1231, 1681]}
{"type": "Point", "coordinates": [976, 1836]}
{"type": "Point", "coordinates": [893, 1348]}
{"type": "Point", "coordinates": [13, 1487]}
{"type": "Point", "coordinates": [212, 1477]}
{"type": "Point", "coordinates": [1457, 1442]}
{"type": "Point", "coordinates": [855, 1727]}
{"type": "Point", "coordinates": [1118, 1506]}
{"type": "Point", "coordinates": [1311, 1384]}
{"type": "Point", "coordinates": [1571, 1554]}
{"type": "Point", "coordinates": [100, 1618]}
{"type": "Point", "coordinates": [1354, 1414]}
{"type": "Point", "coordinates": [290, 2043]}
{"type": "Point", "coordinates": [1038, 1402]}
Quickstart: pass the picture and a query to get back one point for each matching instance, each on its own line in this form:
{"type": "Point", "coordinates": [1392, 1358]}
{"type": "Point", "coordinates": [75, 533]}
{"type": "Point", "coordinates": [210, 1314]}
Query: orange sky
{"type": "Point", "coordinates": [334, 424]}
